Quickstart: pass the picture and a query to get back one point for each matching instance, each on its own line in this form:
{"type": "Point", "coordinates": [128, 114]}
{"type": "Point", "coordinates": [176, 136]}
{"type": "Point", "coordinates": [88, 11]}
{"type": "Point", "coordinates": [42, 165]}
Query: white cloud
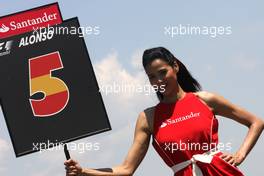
{"type": "Point", "coordinates": [123, 106]}
{"type": "Point", "coordinates": [5, 150]}
{"type": "Point", "coordinates": [4, 147]}
{"type": "Point", "coordinates": [109, 71]}
{"type": "Point", "coordinates": [136, 59]}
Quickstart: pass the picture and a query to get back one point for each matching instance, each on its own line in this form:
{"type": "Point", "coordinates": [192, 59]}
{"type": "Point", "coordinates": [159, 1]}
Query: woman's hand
{"type": "Point", "coordinates": [72, 168]}
{"type": "Point", "coordinates": [233, 159]}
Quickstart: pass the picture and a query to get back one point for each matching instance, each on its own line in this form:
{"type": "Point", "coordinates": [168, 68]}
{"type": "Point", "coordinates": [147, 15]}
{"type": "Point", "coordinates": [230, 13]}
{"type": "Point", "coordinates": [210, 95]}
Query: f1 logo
{"type": "Point", "coordinates": [6, 45]}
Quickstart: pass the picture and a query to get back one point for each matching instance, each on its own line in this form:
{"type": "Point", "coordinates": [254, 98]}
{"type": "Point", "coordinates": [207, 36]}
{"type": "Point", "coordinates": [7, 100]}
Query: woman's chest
{"type": "Point", "coordinates": [188, 125]}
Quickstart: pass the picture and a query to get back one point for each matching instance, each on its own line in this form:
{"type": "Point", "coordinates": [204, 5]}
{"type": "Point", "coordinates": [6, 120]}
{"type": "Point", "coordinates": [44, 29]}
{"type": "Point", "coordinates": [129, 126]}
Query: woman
{"type": "Point", "coordinates": [185, 117]}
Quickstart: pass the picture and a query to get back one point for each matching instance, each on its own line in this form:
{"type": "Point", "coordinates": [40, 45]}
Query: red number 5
{"type": "Point", "coordinates": [56, 92]}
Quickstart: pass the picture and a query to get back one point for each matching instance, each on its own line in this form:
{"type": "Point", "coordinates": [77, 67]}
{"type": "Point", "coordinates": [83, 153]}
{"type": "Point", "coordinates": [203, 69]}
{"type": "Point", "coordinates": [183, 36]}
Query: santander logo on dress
{"type": "Point", "coordinates": [180, 119]}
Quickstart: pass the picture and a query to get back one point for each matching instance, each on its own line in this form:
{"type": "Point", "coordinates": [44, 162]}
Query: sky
{"type": "Point", "coordinates": [229, 63]}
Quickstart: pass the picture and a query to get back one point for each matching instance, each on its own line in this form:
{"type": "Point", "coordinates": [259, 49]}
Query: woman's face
{"type": "Point", "coordinates": [163, 76]}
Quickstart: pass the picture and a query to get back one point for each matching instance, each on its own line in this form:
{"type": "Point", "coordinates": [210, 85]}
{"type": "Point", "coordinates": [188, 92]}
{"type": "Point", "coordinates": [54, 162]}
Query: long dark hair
{"type": "Point", "coordinates": [185, 79]}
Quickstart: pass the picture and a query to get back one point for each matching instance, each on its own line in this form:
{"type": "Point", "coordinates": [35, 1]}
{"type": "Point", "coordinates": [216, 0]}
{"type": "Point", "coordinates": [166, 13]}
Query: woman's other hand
{"type": "Point", "coordinates": [233, 159]}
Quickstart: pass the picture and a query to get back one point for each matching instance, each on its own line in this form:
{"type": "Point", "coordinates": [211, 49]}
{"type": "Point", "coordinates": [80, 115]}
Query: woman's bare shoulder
{"type": "Point", "coordinates": [205, 95]}
{"type": "Point", "coordinates": [207, 98]}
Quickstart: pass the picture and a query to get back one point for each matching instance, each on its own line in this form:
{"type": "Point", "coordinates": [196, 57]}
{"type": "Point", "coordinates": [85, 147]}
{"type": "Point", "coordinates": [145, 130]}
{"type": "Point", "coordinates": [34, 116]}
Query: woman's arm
{"type": "Point", "coordinates": [221, 106]}
{"type": "Point", "coordinates": [134, 157]}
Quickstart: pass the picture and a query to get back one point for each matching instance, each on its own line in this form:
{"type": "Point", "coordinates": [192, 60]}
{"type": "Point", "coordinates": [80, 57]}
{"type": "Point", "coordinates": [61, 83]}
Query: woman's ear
{"type": "Point", "coordinates": [176, 67]}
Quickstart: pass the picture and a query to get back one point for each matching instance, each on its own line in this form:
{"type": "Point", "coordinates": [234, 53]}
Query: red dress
{"type": "Point", "coordinates": [185, 136]}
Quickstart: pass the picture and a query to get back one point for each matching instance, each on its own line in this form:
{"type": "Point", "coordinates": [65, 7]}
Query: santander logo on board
{"type": "Point", "coordinates": [14, 25]}
{"type": "Point", "coordinates": [30, 20]}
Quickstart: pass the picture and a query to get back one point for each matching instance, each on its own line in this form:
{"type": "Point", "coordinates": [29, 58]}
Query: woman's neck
{"type": "Point", "coordinates": [174, 97]}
